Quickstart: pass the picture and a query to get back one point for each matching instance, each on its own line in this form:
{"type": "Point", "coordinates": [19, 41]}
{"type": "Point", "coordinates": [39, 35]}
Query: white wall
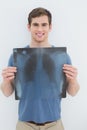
{"type": "Point", "coordinates": [69, 29]}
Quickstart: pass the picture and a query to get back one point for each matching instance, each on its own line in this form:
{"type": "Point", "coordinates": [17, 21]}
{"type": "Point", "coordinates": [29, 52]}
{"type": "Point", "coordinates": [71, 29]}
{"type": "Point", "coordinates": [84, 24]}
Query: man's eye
{"type": "Point", "coordinates": [44, 24]}
{"type": "Point", "coordinates": [35, 24]}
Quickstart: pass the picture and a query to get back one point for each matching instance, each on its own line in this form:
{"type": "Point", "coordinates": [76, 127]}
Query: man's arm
{"type": "Point", "coordinates": [71, 76]}
{"type": "Point", "coordinates": [8, 75]}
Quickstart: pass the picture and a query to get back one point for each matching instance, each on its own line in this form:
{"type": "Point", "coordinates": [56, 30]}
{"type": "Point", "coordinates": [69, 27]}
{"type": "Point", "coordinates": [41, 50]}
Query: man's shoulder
{"type": "Point", "coordinates": [27, 46]}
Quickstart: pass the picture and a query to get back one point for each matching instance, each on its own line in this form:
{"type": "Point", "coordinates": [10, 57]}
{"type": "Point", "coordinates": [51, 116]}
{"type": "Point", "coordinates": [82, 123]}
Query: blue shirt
{"type": "Point", "coordinates": [41, 103]}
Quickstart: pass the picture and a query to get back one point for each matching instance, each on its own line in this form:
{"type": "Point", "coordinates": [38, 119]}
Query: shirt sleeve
{"type": "Point", "coordinates": [11, 59]}
{"type": "Point", "coordinates": [10, 62]}
{"type": "Point", "coordinates": [69, 60]}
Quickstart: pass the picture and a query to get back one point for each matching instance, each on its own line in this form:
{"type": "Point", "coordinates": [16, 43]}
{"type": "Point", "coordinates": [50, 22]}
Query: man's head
{"type": "Point", "coordinates": [37, 12]}
{"type": "Point", "coordinates": [39, 24]}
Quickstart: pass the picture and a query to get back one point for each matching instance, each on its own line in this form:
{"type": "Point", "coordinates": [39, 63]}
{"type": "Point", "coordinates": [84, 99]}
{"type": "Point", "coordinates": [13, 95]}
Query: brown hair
{"type": "Point", "coordinates": [37, 12]}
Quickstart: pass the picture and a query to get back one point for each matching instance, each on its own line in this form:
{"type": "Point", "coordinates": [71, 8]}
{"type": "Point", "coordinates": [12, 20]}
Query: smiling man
{"type": "Point", "coordinates": [39, 113]}
{"type": "Point", "coordinates": [39, 27]}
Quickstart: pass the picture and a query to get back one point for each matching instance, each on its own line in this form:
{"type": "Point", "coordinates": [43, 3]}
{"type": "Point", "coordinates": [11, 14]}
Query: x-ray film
{"type": "Point", "coordinates": [40, 68]}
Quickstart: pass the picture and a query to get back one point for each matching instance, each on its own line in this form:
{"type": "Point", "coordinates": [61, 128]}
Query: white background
{"type": "Point", "coordinates": [69, 29]}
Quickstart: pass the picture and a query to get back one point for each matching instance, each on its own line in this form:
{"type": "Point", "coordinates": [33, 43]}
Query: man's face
{"type": "Point", "coordinates": [39, 29]}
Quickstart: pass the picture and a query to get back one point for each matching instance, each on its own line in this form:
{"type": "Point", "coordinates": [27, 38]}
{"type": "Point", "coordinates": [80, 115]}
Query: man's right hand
{"type": "Point", "coordinates": [8, 73]}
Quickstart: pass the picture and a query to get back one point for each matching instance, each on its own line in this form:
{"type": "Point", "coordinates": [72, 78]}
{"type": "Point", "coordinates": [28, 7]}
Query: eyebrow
{"type": "Point", "coordinates": [36, 24]}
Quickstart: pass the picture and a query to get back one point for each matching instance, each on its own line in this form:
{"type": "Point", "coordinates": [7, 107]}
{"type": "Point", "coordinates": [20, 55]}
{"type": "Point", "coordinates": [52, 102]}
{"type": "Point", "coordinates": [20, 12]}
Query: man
{"type": "Point", "coordinates": [44, 114]}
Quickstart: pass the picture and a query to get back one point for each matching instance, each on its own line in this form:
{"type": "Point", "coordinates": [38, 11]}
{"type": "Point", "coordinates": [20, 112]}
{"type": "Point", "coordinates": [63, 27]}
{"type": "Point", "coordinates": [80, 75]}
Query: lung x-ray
{"type": "Point", "coordinates": [40, 68]}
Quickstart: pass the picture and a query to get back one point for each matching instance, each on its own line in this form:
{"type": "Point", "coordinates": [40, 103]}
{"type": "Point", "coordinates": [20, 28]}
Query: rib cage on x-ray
{"type": "Point", "coordinates": [30, 62]}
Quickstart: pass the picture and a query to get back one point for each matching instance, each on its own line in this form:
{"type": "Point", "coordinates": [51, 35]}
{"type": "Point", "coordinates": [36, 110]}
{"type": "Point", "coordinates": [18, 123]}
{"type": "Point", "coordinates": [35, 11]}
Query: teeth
{"type": "Point", "coordinates": [39, 34]}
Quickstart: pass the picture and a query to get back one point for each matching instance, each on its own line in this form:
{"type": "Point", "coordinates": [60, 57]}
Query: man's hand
{"type": "Point", "coordinates": [71, 75]}
{"type": "Point", "coordinates": [8, 73]}
{"type": "Point", "coordinates": [70, 72]}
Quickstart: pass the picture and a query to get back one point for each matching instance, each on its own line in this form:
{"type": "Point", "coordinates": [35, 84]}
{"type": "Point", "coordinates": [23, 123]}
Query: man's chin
{"type": "Point", "coordinates": [39, 41]}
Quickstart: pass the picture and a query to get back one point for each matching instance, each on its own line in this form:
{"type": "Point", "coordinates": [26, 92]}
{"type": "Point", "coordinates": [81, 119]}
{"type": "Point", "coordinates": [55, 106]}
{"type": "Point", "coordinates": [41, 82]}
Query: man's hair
{"type": "Point", "coordinates": [37, 12]}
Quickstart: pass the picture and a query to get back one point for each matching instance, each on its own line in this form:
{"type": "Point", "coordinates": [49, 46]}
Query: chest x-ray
{"type": "Point", "coordinates": [39, 72]}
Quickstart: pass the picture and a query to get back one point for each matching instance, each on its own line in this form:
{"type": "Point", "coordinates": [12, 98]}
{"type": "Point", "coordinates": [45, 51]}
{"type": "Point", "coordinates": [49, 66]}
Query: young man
{"type": "Point", "coordinates": [42, 114]}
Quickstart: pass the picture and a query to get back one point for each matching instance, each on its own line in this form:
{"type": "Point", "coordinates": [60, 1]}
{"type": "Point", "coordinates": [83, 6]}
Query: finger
{"type": "Point", "coordinates": [70, 73]}
{"type": "Point", "coordinates": [69, 68]}
{"type": "Point", "coordinates": [8, 75]}
{"type": "Point", "coordinates": [68, 65]}
{"type": "Point", "coordinates": [69, 76]}
{"type": "Point", "coordinates": [9, 70]}
{"type": "Point", "coordinates": [11, 67]}
{"type": "Point", "coordinates": [9, 78]}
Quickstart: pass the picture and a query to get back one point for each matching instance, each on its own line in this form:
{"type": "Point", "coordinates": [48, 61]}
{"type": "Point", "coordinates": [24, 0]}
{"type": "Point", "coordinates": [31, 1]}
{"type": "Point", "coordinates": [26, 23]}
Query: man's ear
{"type": "Point", "coordinates": [28, 26]}
{"type": "Point", "coordinates": [50, 27]}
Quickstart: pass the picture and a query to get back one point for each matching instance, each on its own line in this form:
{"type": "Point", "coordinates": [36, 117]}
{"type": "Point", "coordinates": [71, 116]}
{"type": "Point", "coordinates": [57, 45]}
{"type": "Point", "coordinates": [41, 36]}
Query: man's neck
{"type": "Point", "coordinates": [37, 45]}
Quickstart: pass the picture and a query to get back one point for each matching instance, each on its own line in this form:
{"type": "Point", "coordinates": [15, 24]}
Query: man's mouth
{"type": "Point", "coordinates": [39, 34]}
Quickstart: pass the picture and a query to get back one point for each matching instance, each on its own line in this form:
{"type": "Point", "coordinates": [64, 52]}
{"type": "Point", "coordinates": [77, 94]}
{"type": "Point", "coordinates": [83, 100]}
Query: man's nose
{"type": "Point", "coordinates": [40, 28]}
